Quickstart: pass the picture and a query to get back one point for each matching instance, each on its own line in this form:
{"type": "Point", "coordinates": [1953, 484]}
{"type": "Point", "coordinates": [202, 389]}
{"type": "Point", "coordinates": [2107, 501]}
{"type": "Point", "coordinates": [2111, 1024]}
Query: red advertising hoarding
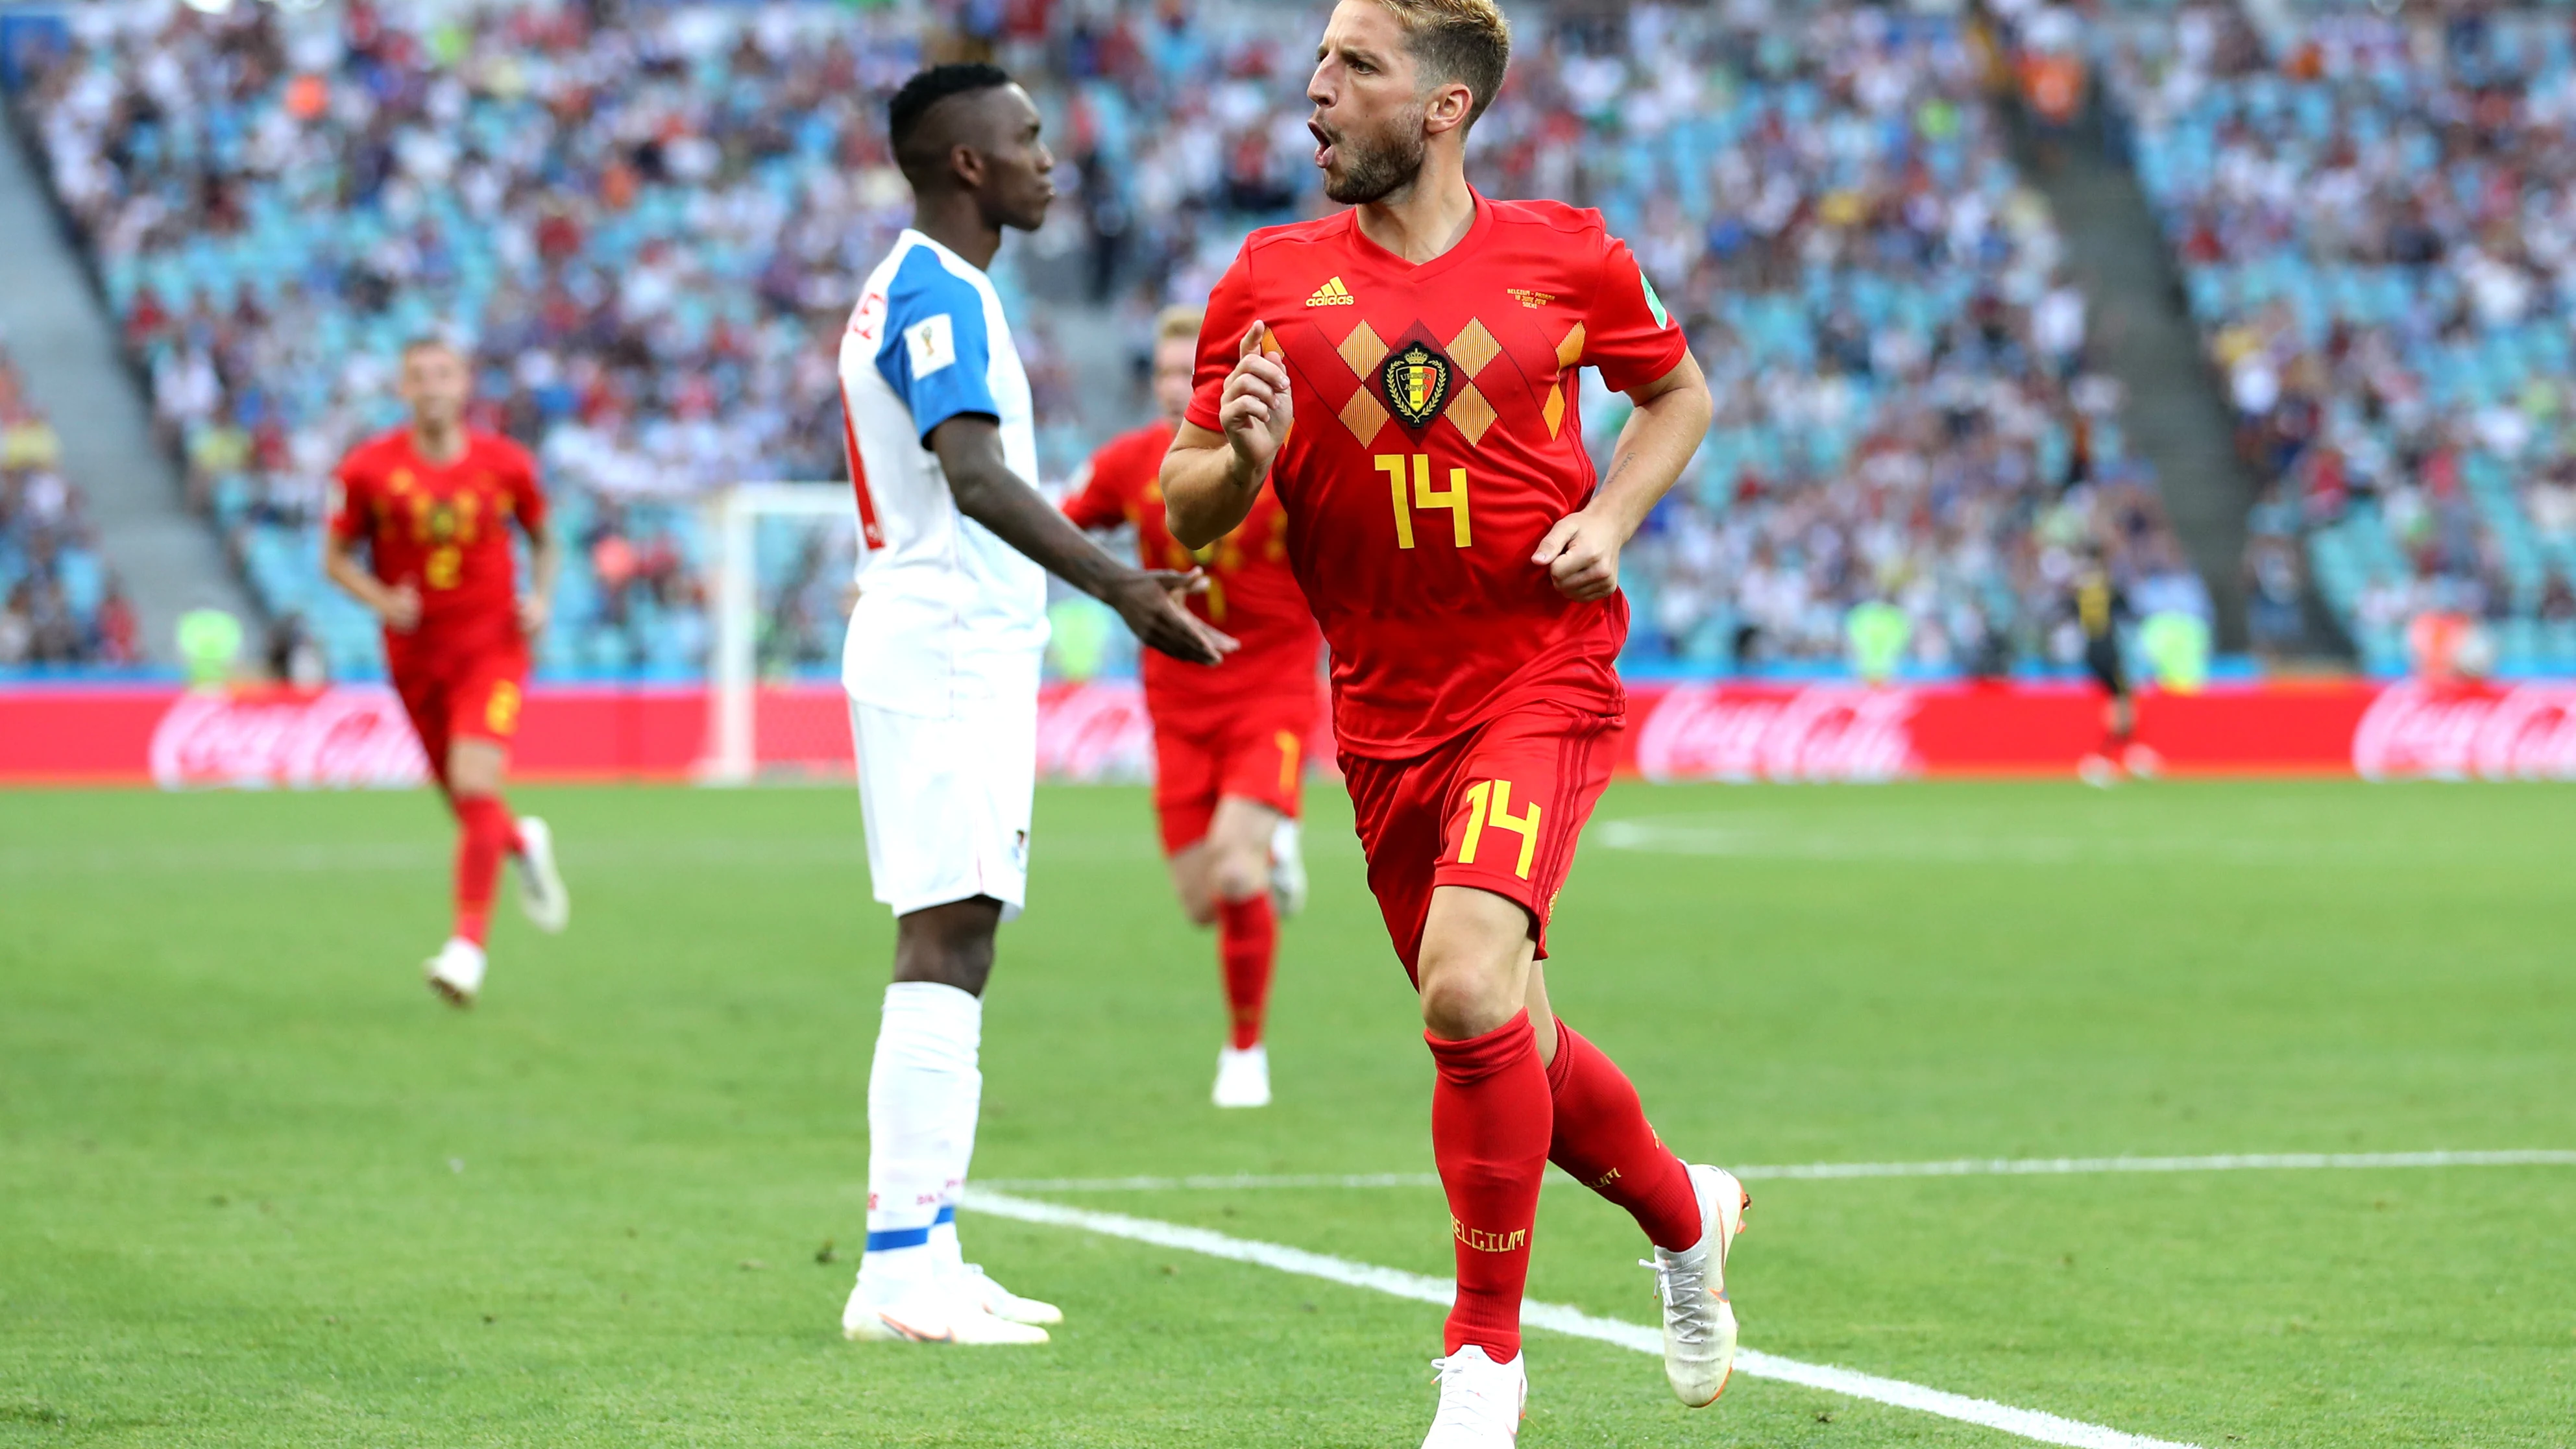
{"type": "Point", "coordinates": [356, 736]}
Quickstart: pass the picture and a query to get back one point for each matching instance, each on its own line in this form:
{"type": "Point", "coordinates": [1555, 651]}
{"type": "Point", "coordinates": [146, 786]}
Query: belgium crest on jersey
{"type": "Point", "coordinates": [1416, 382]}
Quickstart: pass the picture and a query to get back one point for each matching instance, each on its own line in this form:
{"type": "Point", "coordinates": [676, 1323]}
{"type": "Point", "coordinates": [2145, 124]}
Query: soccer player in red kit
{"type": "Point", "coordinates": [434, 503]}
{"type": "Point", "coordinates": [1403, 376]}
{"type": "Point", "coordinates": [1230, 742]}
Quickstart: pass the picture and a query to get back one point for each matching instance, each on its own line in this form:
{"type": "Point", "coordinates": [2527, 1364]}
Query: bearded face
{"type": "Point", "coordinates": [1373, 163]}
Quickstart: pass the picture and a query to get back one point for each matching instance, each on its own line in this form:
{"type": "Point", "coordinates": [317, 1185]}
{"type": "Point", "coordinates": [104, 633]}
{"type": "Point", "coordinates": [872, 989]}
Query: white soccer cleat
{"type": "Point", "coordinates": [979, 1288]}
{"type": "Point", "coordinates": [541, 888]}
{"type": "Point", "coordinates": [1481, 1402]}
{"type": "Point", "coordinates": [1242, 1077]}
{"type": "Point", "coordinates": [1699, 1322]}
{"type": "Point", "coordinates": [456, 972]}
{"type": "Point", "coordinates": [2142, 761]}
{"type": "Point", "coordinates": [932, 1312]}
{"type": "Point", "coordinates": [1287, 869]}
{"type": "Point", "coordinates": [2097, 771]}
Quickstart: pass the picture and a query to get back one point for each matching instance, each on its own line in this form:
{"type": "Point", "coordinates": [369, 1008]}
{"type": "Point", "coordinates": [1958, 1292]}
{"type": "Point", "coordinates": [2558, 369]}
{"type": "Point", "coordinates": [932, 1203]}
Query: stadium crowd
{"type": "Point", "coordinates": [1905, 411]}
{"type": "Point", "coordinates": [2376, 218]}
{"type": "Point", "coordinates": [59, 602]}
{"type": "Point", "coordinates": [649, 232]}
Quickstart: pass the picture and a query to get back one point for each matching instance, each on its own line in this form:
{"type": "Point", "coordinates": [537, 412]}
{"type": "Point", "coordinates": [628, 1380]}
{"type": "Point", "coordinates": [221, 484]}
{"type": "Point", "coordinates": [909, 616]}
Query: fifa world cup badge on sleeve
{"type": "Point", "coordinates": [932, 341]}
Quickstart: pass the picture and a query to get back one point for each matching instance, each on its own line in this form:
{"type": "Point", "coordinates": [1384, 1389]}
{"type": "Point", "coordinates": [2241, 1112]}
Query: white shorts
{"type": "Point", "coordinates": [946, 801]}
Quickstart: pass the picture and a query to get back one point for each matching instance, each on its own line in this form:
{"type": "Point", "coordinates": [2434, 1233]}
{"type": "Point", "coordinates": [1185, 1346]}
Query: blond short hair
{"type": "Point", "coordinates": [1174, 322]}
{"type": "Point", "coordinates": [1465, 41]}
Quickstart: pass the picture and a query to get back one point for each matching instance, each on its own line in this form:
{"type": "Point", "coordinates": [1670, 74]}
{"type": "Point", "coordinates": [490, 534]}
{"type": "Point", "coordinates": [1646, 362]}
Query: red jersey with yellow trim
{"type": "Point", "coordinates": [445, 530]}
{"type": "Point", "coordinates": [1251, 593]}
{"type": "Point", "coordinates": [1435, 442]}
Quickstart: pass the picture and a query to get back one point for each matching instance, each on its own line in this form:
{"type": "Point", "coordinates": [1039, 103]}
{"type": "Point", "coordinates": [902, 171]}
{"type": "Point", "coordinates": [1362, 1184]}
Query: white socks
{"type": "Point", "coordinates": [924, 1091]}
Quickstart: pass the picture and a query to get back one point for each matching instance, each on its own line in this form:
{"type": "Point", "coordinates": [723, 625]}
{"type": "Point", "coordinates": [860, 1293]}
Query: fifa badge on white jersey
{"type": "Point", "coordinates": [932, 341]}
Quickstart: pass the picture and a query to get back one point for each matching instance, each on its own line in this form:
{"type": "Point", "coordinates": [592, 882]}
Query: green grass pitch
{"type": "Point", "coordinates": [257, 1187]}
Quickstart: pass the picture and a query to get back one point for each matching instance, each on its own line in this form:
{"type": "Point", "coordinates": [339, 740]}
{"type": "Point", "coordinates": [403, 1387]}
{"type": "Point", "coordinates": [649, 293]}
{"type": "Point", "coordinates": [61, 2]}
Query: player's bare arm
{"type": "Point", "coordinates": [545, 561]}
{"type": "Point", "coordinates": [397, 605]}
{"type": "Point", "coordinates": [1211, 478]}
{"type": "Point", "coordinates": [1149, 600]}
{"type": "Point", "coordinates": [1581, 553]}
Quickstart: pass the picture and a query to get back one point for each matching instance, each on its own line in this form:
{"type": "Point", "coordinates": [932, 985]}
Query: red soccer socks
{"type": "Point", "coordinates": [1490, 1118]}
{"type": "Point", "coordinates": [485, 833]}
{"type": "Point", "coordinates": [1248, 944]}
{"type": "Point", "coordinates": [1602, 1140]}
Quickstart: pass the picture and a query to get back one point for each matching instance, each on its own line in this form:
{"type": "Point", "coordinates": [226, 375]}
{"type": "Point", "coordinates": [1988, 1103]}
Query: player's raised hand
{"type": "Point", "coordinates": [1581, 555]}
{"type": "Point", "coordinates": [400, 608]}
{"type": "Point", "coordinates": [534, 610]}
{"type": "Point", "coordinates": [1149, 600]}
{"type": "Point", "coordinates": [1255, 409]}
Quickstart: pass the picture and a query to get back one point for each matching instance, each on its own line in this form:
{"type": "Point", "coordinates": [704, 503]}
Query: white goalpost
{"type": "Point", "coordinates": [815, 535]}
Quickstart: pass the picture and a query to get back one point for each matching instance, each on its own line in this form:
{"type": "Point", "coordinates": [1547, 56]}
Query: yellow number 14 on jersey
{"type": "Point", "coordinates": [1423, 495]}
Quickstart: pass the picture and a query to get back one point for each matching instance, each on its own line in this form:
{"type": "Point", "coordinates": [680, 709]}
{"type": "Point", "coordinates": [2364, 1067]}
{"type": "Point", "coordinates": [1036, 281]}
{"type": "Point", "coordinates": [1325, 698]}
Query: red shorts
{"type": "Point", "coordinates": [1257, 753]}
{"type": "Point", "coordinates": [1498, 808]}
{"type": "Point", "coordinates": [461, 696]}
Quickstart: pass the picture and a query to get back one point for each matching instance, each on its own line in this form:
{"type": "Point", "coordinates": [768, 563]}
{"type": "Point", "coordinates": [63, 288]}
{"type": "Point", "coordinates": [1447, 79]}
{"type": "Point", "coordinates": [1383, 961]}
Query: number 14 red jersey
{"type": "Point", "coordinates": [1435, 442]}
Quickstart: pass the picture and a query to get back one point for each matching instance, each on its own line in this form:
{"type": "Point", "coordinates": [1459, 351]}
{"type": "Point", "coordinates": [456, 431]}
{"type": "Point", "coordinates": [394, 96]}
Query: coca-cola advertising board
{"type": "Point", "coordinates": [339, 738]}
{"type": "Point", "coordinates": [356, 736]}
{"type": "Point", "coordinates": [2413, 730]}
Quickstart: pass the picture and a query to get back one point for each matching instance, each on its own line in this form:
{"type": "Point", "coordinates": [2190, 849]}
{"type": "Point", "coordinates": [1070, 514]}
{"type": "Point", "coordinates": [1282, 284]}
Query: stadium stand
{"type": "Point", "coordinates": [644, 231]}
{"type": "Point", "coordinates": [60, 604]}
{"type": "Point", "coordinates": [2376, 218]}
{"type": "Point", "coordinates": [1904, 407]}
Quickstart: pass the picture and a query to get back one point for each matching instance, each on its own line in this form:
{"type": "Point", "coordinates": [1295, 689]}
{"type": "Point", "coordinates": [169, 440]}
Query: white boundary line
{"type": "Point", "coordinates": [1559, 1318]}
{"type": "Point", "coordinates": [1956, 1167]}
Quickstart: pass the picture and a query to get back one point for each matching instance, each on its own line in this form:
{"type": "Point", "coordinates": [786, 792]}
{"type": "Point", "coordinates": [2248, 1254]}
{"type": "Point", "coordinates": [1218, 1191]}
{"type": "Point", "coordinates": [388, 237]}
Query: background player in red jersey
{"type": "Point", "coordinates": [1230, 742]}
{"type": "Point", "coordinates": [434, 502]}
{"type": "Point", "coordinates": [1404, 376]}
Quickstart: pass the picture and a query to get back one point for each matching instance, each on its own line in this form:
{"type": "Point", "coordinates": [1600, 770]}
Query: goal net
{"type": "Point", "coordinates": [781, 561]}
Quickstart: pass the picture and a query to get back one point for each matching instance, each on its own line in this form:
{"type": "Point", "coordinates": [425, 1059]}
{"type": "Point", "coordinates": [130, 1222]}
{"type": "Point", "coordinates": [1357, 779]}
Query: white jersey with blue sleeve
{"type": "Point", "coordinates": [948, 613]}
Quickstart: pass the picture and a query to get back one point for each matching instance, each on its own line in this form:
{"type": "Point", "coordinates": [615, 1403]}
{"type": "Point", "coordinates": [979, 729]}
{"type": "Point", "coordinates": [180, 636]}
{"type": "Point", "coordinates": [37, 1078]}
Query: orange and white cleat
{"type": "Point", "coordinates": [1481, 1401]}
{"type": "Point", "coordinates": [456, 972]}
{"type": "Point", "coordinates": [1001, 1302]}
{"type": "Point", "coordinates": [929, 1312]}
{"type": "Point", "coordinates": [541, 886]}
{"type": "Point", "coordinates": [1699, 1321]}
{"type": "Point", "coordinates": [1242, 1076]}
{"type": "Point", "coordinates": [1287, 869]}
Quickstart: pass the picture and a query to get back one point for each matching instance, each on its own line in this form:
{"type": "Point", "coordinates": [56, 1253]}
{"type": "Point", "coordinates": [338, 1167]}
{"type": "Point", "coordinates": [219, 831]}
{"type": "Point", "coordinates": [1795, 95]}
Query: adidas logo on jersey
{"type": "Point", "coordinates": [1332, 294]}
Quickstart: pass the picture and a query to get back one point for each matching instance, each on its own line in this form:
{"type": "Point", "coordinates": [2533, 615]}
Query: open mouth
{"type": "Point", "coordinates": [1323, 143]}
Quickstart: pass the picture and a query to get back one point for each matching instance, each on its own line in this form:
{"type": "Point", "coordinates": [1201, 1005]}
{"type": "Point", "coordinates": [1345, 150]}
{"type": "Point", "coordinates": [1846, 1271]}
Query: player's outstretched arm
{"type": "Point", "coordinates": [397, 605]}
{"type": "Point", "coordinates": [1211, 478]}
{"type": "Point", "coordinates": [1581, 553]}
{"type": "Point", "coordinates": [969, 446]}
{"type": "Point", "coordinates": [545, 562]}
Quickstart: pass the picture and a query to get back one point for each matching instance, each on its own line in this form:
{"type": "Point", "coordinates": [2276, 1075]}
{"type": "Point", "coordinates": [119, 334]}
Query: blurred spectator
{"type": "Point", "coordinates": [62, 606]}
{"type": "Point", "coordinates": [294, 657]}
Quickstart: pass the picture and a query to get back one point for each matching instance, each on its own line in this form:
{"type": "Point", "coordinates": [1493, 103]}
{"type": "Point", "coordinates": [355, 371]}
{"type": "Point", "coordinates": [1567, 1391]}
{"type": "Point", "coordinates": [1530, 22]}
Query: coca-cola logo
{"type": "Point", "coordinates": [1095, 732]}
{"type": "Point", "coordinates": [1706, 732]}
{"type": "Point", "coordinates": [2416, 730]}
{"type": "Point", "coordinates": [333, 738]}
